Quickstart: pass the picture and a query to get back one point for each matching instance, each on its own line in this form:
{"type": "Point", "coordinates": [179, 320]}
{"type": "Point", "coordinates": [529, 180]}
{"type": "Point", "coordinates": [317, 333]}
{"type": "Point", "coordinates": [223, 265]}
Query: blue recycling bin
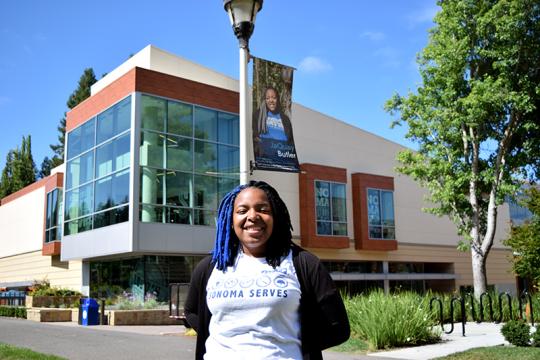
{"type": "Point", "coordinates": [89, 312]}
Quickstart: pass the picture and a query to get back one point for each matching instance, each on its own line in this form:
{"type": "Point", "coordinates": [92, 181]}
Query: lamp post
{"type": "Point", "coordinates": [242, 14]}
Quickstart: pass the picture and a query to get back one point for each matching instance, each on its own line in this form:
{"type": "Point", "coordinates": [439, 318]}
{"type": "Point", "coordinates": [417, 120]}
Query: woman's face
{"type": "Point", "coordinates": [253, 221]}
{"type": "Point", "coordinates": [271, 100]}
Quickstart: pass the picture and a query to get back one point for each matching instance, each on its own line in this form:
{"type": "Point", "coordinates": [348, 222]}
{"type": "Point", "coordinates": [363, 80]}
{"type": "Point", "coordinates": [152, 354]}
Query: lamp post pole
{"type": "Point", "coordinates": [242, 14]}
{"type": "Point", "coordinates": [244, 160]}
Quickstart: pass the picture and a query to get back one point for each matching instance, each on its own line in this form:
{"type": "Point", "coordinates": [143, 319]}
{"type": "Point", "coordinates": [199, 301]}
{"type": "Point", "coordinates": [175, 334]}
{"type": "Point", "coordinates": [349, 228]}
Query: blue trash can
{"type": "Point", "coordinates": [90, 312]}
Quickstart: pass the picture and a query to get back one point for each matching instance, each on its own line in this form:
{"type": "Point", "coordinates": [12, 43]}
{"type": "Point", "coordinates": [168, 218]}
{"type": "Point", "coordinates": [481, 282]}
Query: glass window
{"type": "Point", "coordinates": [205, 157]}
{"type": "Point", "coordinates": [381, 214]}
{"type": "Point", "coordinates": [79, 202]}
{"type": "Point", "coordinates": [99, 178]}
{"type": "Point", "coordinates": [112, 156]}
{"type": "Point", "coordinates": [179, 188]}
{"type": "Point", "coordinates": [204, 217]}
{"type": "Point", "coordinates": [153, 112]}
{"type": "Point", "coordinates": [228, 128]}
{"type": "Point", "coordinates": [152, 185]}
{"type": "Point", "coordinates": [53, 216]}
{"type": "Point", "coordinates": [228, 160]}
{"type": "Point", "coordinates": [177, 215]}
{"type": "Point", "coordinates": [114, 121]}
{"type": "Point", "coordinates": [182, 178]}
{"type": "Point", "coordinates": [80, 170]}
{"type": "Point", "coordinates": [180, 119]}
{"type": "Point", "coordinates": [331, 208]}
{"type": "Point", "coordinates": [152, 150]}
{"type": "Point", "coordinates": [81, 139]}
{"type": "Point", "coordinates": [225, 185]}
{"type": "Point", "coordinates": [205, 192]}
{"type": "Point", "coordinates": [179, 153]}
{"type": "Point", "coordinates": [111, 217]}
{"type": "Point", "coordinates": [77, 226]}
{"type": "Point", "coordinates": [112, 191]}
{"type": "Point", "coordinates": [205, 123]}
{"type": "Point", "coordinates": [150, 213]}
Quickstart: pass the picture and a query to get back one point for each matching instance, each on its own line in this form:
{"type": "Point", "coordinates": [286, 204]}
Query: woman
{"type": "Point", "coordinates": [259, 296]}
{"type": "Point", "coordinates": [271, 124]}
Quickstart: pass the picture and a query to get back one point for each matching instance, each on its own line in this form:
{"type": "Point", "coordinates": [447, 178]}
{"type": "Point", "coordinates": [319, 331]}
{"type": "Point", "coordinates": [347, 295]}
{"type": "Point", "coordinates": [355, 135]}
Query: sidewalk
{"type": "Point", "coordinates": [74, 341]}
{"type": "Point", "coordinates": [476, 335]}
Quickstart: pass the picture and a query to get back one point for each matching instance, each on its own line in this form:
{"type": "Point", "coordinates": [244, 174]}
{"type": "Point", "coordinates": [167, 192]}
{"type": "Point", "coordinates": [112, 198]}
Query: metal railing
{"type": "Point", "coordinates": [177, 297]}
{"type": "Point", "coordinates": [523, 299]}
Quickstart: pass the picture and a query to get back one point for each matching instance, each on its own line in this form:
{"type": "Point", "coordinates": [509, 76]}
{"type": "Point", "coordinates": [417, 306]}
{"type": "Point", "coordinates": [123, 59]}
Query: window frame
{"type": "Point", "coordinates": [331, 205]}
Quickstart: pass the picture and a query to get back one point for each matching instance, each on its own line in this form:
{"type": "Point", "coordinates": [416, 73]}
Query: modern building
{"type": "Point", "coordinates": [151, 152]}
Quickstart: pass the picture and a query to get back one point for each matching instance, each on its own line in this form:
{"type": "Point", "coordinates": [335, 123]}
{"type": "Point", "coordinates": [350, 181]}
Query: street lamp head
{"type": "Point", "coordinates": [242, 14]}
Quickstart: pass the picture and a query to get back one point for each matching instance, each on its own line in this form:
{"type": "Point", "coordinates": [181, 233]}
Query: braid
{"type": "Point", "coordinates": [226, 243]}
{"type": "Point", "coordinates": [223, 254]}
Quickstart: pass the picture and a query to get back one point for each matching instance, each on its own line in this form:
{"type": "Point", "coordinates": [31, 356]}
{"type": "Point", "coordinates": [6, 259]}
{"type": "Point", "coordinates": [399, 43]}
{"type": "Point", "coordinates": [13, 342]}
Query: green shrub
{"type": "Point", "coordinates": [516, 332]}
{"type": "Point", "coordinates": [43, 288]}
{"type": "Point", "coordinates": [13, 311]}
{"type": "Point", "coordinates": [536, 338]}
{"type": "Point", "coordinates": [386, 321]}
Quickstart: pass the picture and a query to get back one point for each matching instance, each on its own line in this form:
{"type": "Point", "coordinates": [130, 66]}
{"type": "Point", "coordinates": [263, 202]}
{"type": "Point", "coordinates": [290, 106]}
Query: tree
{"type": "Point", "coordinates": [88, 78]}
{"type": "Point", "coordinates": [525, 240]}
{"type": "Point", "coordinates": [475, 115]}
{"type": "Point", "coordinates": [20, 169]}
{"type": "Point", "coordinates": [45, 168]}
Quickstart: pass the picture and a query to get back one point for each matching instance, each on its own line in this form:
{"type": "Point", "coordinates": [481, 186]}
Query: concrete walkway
{"type": "Point", "coordinates": [476, 335]}
{"type": "Point", "coordinates": [72, 341]}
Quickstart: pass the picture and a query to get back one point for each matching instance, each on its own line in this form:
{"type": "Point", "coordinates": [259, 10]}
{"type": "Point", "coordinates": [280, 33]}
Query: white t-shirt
{"type": "Point", "coordinates": [254, 311]}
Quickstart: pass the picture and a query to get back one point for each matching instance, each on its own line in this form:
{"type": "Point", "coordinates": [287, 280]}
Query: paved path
{"type": "Point", "coordinates": [476, 335]}
{"type": "Point", "coordinates": [73, 341]}
{"type": "Point", "coordinates": [102, 342]}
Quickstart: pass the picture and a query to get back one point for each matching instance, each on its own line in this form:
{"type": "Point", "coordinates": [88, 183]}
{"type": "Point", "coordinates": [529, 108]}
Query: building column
{"type": "Point", "coordinates": [386, 281]}
{"type": "Point", "coordinates": [85, 287]}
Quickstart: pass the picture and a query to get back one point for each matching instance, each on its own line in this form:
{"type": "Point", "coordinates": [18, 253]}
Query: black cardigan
{"type": "Point", "coordinates": [323, 318]}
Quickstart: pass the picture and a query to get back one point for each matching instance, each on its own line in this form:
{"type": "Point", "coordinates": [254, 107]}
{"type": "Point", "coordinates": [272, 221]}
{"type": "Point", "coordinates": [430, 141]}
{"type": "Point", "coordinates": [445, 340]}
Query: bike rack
{"type": "Point", "coordinates": [481, 319]}
{"type": "Point", "coordinates": [463, 316]}
{"type": "Point", "coordinates": [509, 298]}
{"type": "Point", "coordinates": [523, 295]}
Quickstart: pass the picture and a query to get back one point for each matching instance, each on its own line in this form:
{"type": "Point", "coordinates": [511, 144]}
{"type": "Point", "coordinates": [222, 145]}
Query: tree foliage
{"type": "Point", "coordinates": [475, 117]}
{"type": "Point", "coordinates": [81, 93]}
{"type": "Point", "coordinates": [20, 169]}
{"type": "Point", "coordinates": [525, 240]}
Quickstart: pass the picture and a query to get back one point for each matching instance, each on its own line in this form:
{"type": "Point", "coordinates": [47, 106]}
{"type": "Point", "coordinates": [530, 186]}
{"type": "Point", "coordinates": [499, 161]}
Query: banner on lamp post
{"type": "Point", "coordinates": [273, 141]}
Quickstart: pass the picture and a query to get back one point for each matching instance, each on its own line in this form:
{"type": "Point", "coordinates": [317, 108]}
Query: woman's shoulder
{"type": "Point", "coordinates": [304, 255]}
{"type": "Point", "coordinates": [205, 265]}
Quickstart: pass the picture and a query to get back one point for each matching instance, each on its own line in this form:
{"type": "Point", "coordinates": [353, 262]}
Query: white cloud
{"type": "Point", "coordinates": [373, 35]}
{"type": "Point", "coordinates": [312, 64]}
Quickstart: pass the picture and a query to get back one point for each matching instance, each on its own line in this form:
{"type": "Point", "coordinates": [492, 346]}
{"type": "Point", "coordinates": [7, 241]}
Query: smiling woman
{"type": "Point", "coordinates": [258, 295]}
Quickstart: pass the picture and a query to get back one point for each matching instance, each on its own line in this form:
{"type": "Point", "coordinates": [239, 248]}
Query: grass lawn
{"type": "Point", "coordinates": [497, 353]}
{"type": "Point", "coordinates": [353, 345]}
{"type": "Point", "coordinates": [8, 352]}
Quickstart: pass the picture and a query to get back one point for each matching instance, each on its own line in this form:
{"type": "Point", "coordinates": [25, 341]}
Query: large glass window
{"type": "Point", "coordinates": [112, 156]}
{"type": "Point", "coordinates": [380, 204]}
{"type": "Point", "coordinates": [97, 180]}
{"type": "Point", "coordinates": [114, 121]}
{"type": "Point", "coordinates": [331, 208]}
{"type": "Point", "coordinates": [186, 169]}
{"type": "Point", "coordinates": [53, 227]}
{"type": "Point", "coordinates": [81, 139]}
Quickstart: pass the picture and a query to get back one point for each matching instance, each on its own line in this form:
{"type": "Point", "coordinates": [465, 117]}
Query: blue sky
{"type": "Point", "coordinates": [350, 55]}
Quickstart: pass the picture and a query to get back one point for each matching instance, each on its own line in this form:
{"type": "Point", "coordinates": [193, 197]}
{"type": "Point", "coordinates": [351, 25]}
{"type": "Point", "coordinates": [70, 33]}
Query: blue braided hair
{"type": "Point", "coordinates": [226, 244]}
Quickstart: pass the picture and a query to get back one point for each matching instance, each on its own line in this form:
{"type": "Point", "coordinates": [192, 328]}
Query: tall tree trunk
{"type": "Point", "coordinates": [479, 271]}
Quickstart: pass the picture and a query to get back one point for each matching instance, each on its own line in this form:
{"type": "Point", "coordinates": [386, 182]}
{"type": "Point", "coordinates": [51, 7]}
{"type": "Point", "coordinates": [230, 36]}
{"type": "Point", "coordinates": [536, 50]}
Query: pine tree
{"type": "Point", "coordinates": [20, 169]}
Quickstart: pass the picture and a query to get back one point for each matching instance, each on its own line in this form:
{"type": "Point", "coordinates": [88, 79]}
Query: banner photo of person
{"type": "Point", "coordinates": [273, 141]}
